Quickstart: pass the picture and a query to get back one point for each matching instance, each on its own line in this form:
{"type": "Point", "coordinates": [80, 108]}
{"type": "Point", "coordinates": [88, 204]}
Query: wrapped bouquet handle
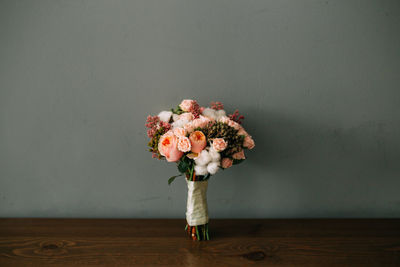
{"type": "Point", "coordinates": [201, 140]}
{"type": "Point", "coordinates": [196, 210]}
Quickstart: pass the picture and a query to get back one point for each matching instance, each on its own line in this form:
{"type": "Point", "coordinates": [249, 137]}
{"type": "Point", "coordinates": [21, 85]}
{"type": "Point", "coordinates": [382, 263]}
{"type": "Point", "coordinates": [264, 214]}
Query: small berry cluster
{"type": "Point", "coordinates": [236, 117]}
{"type": "Point", "coordinates": [195, 110]}
{"type": "Point", "coordinates": [154, 123]}
{"type": "Point", "coordinates": [217, 105]}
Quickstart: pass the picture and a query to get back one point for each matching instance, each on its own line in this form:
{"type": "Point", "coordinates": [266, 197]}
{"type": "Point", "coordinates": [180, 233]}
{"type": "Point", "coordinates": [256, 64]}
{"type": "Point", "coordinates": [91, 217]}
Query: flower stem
{"type": "Point", "coordinates": [198, 232]}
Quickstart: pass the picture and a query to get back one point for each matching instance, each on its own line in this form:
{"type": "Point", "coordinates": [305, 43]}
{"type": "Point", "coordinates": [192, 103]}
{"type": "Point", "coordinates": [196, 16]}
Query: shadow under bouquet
{"type": "Point", "coordinates": [201, 140]}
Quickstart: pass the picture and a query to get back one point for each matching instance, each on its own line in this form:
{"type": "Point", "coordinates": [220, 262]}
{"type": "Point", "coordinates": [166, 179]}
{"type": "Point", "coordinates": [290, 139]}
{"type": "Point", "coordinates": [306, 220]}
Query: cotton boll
{"type": "Point", "coordinates": [165, 115]}
{"type": "Point", "coordinates": [179, 123]}
{"type": "Point", "coordinates": [209, 112]}
{"type": "Point", "coordinates": [220, 113]}
{"type": "Point", "coordinates": [200, 170]}
{"type": "Point", "coordinates": [176, 124]}
{"type": "Point", "coordinates": [215, 156]}
{"type": "Point", "coordinates": [213, 167]}
{"type": "Point", "coordinates": [223, 119]}
{"type": "Point", "coordinates": [175, 117]}
{"type": "Point", "coordinates": [203, 158]}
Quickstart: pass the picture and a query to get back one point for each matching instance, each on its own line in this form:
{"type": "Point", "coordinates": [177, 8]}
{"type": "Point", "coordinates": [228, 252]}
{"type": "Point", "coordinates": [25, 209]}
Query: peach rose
{"type": "Point", "coordinates": [242, 131]}
{"type": "Point", "coordinates": [186, 116]}
{"type": "Point", "coordinates": [219, 144]}
{"type": "Point", "coordinates": [248, 142]}
{"type": "Point", "coordinates": [239, 155]}
{"type": "Point", "coordinates": [200, 122]}
{"type": "Point", "coordinates": [198, 141]}
{"type": "Point", "coordinates": [234, 124]}
{"type": "Point", "coordinates": [184, 144]}
{"type": "Point", "coordinates": [189, 127]}
{"type": "Point", "coordinates": [179, 132]}
{"type": "Point", "coordinates": [226, 163]}
{"type": "Point", "coordinates": [186, 104]}
{"type": "Point", "coordinates": [167, 145]}
{"type": "Point", "coordinates": [226, 120]}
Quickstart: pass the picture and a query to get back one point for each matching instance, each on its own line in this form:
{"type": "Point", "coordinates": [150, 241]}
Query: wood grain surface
{"type": "Point", "coordinates": [163, 242]}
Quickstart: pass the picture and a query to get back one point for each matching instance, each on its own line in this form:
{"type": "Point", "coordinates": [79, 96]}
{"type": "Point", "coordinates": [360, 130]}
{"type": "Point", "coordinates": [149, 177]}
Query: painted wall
{"type": "Point", "coordinates": [318, 82]}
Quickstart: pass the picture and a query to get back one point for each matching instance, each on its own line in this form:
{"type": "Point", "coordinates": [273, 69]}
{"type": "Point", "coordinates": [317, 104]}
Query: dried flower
{"type": "Point", "coordinates": [236, 117]}
{"type": "Point", "coordinates": [217, 105]}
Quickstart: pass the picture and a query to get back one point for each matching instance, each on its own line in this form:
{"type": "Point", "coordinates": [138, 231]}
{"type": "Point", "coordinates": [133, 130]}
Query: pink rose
{"type": "Point", "coordinates": [230, 122]}
{"type": "Point", "coordinates": [189, 127]}
{"type": "Point", "coordinates": [186, 104]}
{"type": "Point", "coordinates": [167, 145]}
{"type": "Point", "coordinates": [179, 132]}
{"type": "Point", "coordinates": [224, 119]}
{"type": "Point", "coordinates": [200, 122]}
{"type": "Point", "coordinates": [186, 116]}
{"type": "Point", "coordinates": [242, 131]}
{"type": "Point", "coordinates": [184, 144]}
{"type": "Point", "coordinates": [248, 142]}
{"type": "Point", "coordinates": [239, 155]}
{"type": "Point", "coordinates": [219, 144]}
{"type": "Point", "coordinates": [234, 124]}
{"type": "Point", "coordinates": [198, 141]}
{"type": "Point", "coordinates": [226, 163]}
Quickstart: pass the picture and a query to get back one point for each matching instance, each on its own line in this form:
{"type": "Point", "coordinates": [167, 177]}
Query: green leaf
{"type": "Point", "coordinates": [183, 166]}
{"type": "Point", "coordinates": [177, 110]}
{"type": "Point", "coordinates": [170, 180]}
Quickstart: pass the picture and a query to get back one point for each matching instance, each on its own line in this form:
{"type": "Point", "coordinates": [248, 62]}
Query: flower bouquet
{"type": "Point", "coordinates": [201, 140]}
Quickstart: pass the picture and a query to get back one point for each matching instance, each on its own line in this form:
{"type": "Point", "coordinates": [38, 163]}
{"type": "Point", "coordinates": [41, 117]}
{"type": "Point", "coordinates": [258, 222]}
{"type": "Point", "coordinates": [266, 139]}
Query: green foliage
{"type": "Point", "coordinates": [183, 166]}
{"type": "Point", "coordinates": [153, 144]}
{"type": "Point", "coordinates": [206, 177]}
{"type": "Point", "coordinates": [177, 110]}
{"type": "Point", "coordinates": [223, 130]}
{"type": "Point", "coordinates": [170, 180]}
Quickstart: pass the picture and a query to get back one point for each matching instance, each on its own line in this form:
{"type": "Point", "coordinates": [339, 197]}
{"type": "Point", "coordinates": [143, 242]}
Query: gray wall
{"type": "Point", "coordinates": [318, 81]}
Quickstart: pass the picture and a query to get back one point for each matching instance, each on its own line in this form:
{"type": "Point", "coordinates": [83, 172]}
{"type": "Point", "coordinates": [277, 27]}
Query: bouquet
{"type": "Point", "coordinates": [200, 140]}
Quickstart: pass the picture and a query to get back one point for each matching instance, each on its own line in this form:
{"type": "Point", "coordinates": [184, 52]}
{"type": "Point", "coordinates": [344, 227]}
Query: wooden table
{"type": "Point", "coordinates": [132, 242]}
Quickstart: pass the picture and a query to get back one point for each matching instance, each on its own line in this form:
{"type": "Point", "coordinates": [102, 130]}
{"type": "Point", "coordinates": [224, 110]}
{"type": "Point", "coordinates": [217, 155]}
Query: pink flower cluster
{"type": "Point", "coordinates": [217, 105]}
{"type": "Point", "coordinates": [200, 122]}
{"type": "Point", "coordinates": [174, 143]}
{"type": "Point", "coordinates": [236, 117]}
{"type": "Point", "coordinates": [154, 123]}
{"type": "Point", "coordinates": [219, 144]}
{"type": "Point", "coordinates": [191, 106]}
{"type": "Point", "coordinates": [191, 133]}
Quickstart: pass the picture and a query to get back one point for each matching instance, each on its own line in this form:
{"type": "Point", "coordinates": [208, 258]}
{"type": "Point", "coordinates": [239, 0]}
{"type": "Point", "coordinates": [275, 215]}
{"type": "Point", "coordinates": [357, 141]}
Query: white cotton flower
{"type": "Point", "coordinates": [165, 115]}
{"type": "Point", "coordinates": [203, 158]}
{"type": "Point", "coordinates": [211, 113]}
{"type": "Point", "coordinates": [215, 156]}
{"type": "Point", "coordinates": [200, 170]}
{"type": "Point", "coordinates": [179, 123]}
{"type": "Point", "coordinates": [220, 113]}
{"type": "Point", "coordinates": [175, 117]}
{"type": "Point", "coordinates": [224, 119]}
{"type": "Point", "coordinates": [213, 167]}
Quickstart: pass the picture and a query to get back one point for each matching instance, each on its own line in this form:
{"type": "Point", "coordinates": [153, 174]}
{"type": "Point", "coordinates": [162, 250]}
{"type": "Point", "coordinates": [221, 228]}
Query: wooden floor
{"type": "Point", "coordinates": [103, 242]}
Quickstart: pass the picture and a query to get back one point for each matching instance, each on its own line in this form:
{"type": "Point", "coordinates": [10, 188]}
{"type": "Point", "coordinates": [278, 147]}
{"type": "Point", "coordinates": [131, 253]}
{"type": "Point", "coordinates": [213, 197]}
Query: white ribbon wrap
{"type": "Point", "coordinates": [196, 209]}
